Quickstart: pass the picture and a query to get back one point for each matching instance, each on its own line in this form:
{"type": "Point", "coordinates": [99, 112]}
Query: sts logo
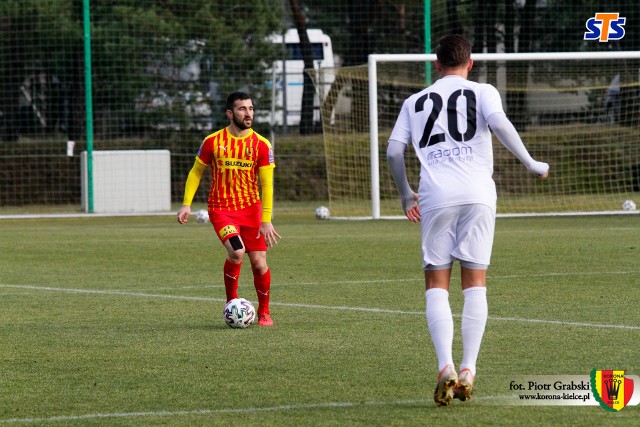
{"type": "Point", "coordinates": [604, 27]}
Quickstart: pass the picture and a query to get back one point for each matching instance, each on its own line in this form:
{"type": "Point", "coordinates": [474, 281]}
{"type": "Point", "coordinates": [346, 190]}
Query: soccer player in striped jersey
{"type": "Point", "coordinates": [240, 199]}
{"type": "Point", "coordinates": [449, 125]}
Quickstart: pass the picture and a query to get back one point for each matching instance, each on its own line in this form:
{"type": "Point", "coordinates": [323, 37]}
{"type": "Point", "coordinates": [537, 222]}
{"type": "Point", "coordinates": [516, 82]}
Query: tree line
{"type": "Point", "coordinates": [141, 50]}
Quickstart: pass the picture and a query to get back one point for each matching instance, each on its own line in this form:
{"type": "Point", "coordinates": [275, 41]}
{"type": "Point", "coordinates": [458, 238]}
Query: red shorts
{"type": "Point", "coordinates": [244, 223]}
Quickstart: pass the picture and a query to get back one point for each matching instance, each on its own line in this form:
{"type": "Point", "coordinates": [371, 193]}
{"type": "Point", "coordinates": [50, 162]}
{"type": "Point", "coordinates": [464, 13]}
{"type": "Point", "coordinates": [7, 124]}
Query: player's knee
{"type": "Point", "coordinates": [259, 264]}
{"type": "Point", "coordinates": [259, 267]}
{"type": "Point", "coordinates": [236, 256]}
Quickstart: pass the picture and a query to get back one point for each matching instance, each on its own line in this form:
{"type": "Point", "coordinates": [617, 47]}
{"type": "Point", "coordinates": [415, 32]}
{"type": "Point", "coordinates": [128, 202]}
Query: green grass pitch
{"type": "Point", "coordinates": [118, 321]}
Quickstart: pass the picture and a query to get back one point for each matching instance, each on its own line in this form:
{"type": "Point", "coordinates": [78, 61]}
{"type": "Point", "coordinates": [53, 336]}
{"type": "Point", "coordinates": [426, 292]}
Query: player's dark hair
{"type": "Point", "coordinates": [236, 96]}
{"type": "Point", "coordinates": [453, 50]}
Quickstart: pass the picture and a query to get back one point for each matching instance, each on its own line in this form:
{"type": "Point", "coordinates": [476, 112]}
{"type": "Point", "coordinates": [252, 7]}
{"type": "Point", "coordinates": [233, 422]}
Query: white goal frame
{"type": "Point", "coordinates": [373, 96]}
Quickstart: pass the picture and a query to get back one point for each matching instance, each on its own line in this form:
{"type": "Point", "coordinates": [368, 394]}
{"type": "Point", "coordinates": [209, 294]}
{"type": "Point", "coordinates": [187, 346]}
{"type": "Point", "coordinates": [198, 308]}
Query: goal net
{"type": "Point", "coordinates": [579, 112]}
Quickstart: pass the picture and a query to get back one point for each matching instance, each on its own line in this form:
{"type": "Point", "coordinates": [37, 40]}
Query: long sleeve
{"type": "Point", "coordinates": [266, 184]}
{"type": "Point", "coordinates": [508, 136]}
{"type": "Point", "coordinates": [193, 181]}
{"type": "Point", "coordinates": [395, 157]}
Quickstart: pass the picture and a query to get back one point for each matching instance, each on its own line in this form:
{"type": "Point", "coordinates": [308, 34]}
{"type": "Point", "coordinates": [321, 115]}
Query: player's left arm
{"type": "Point", "coordinates": [508, 136]}
{"type": "Point", "coordinates": [266, 185]}
{"type": "Point", "coordinates": [491, 107]}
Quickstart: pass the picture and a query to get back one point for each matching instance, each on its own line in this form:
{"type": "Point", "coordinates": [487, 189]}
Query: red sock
{"type": "Point", "coordinates": [231, 275]}
{"type": "Point", "coordinates": [263, 285]}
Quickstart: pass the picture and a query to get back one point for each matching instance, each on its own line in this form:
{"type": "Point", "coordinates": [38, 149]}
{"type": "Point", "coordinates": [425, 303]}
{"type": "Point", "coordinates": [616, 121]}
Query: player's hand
{"type": "Point", "coordinates": [183, 214]}
{"type": "Point", "coordinates": [541, 169]}
{"type": "Point", "coordinates": [545, 172]}
{"type": "Point", "coordinates": [269, 233]}
{"type": "Point", "coordinates": [413, 213]}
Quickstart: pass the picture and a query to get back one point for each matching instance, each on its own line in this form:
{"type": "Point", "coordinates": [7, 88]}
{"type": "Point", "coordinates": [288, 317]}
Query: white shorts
{"type": "Point", "coordinates": [461, 232]}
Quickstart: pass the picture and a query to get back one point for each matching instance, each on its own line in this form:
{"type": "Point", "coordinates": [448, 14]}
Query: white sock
{"type": "Point", "coordinates": [474, 319]}
{"type": "Point", "coordinates": [440, 324]}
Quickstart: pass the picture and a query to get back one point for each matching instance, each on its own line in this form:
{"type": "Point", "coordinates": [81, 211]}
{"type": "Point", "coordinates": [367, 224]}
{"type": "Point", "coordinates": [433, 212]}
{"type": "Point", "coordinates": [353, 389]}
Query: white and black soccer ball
{"type": "Point", "coordinates": [239, 313]}
{"type": "Point", "coordinates": [322, 212]}
{"type": "Point", "coordinates": [629, 205]}
{"type": "Point", "coordinates": [202, 216]}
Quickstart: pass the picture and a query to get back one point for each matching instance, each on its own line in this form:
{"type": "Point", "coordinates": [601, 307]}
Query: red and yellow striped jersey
{"type": "Point", "coordinates": [234, 168]}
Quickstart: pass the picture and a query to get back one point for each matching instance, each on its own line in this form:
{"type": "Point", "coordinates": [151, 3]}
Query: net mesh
{"type": "Point", "coordinates": [580, 116]}
{"type": "Point", "coordinates": [161, 70]}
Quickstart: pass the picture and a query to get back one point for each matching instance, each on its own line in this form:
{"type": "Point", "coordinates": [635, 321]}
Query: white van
{"type": "Point", "coordinates": [287, 77]}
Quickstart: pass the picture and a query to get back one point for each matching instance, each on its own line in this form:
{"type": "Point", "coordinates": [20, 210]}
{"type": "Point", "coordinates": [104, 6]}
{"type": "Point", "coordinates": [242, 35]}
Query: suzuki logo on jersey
{"type": "Point", "coordinates": [604, 27]}
{"type": "Point", "coordinates": [224, 163]}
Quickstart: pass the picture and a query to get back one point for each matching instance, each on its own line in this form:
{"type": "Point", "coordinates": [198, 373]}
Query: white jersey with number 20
{"type": "Point", "coordinates": [447, 125]}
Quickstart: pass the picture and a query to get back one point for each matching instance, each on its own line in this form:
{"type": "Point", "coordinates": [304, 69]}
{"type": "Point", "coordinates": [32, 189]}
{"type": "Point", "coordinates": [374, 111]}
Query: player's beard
{"type": "Point", "coordinates": [242, 123]}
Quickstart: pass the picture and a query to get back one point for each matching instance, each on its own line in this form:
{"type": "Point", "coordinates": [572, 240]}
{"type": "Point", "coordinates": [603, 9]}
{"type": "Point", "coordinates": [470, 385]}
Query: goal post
{"type": "Point", "coordinates": [579, 112]}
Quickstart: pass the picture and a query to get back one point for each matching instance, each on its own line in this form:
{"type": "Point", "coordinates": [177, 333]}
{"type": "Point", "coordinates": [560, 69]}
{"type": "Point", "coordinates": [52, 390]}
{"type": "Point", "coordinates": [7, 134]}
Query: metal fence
{"type": "Point", "coordinates": [160, 71]}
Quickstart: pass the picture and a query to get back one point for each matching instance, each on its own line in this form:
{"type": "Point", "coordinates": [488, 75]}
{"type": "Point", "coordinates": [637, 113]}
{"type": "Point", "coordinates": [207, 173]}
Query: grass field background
{"type": "Point", "coordinates": [118, 321]}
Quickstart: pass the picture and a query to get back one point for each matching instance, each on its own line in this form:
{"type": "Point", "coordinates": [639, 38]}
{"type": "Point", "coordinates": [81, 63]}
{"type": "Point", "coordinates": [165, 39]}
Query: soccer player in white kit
{"type": "Point", "coordinates": [449, 125]}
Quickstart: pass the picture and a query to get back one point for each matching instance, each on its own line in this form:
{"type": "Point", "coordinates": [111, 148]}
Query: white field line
{"type": "Point", "coordinates": [314, 306]}
{"type": "Point", "coordinates": [416, 279]}
{"type": "Point", "coordinates": [328, 405]}
{"type": "Point", "coordinates": [249, 410]}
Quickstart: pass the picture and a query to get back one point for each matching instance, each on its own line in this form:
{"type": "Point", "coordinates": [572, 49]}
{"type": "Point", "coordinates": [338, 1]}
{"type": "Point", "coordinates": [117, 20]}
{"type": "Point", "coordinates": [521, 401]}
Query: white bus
{"type": "Point", "coordinates": [287, 78]}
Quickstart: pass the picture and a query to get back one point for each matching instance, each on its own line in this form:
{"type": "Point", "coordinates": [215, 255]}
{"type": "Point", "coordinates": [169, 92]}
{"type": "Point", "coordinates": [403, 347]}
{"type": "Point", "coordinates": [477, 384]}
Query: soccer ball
{"type": "Point", "coordinates": [629, 205]}
{"type": "Point", "coordinates": [322, 212]}
{"type": "Point", "coordinates": [239, 313]}
{"type": "Point", "coordinates": [202, 216]}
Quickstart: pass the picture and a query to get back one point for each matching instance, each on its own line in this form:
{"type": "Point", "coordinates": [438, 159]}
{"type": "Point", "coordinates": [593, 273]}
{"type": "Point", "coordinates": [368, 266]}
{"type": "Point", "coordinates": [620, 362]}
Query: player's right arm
{"type": "Point", "coordinates": [190, 188]}
{"type": "Point", "coordinates": [397, 167]}
{"type": "Point", "coordinates": [400, 134]}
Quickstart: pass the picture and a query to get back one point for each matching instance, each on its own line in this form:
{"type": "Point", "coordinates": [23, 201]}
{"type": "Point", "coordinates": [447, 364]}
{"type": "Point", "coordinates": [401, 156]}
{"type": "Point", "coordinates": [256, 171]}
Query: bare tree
{"type": "Point", "coordinates": [308, 91]}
